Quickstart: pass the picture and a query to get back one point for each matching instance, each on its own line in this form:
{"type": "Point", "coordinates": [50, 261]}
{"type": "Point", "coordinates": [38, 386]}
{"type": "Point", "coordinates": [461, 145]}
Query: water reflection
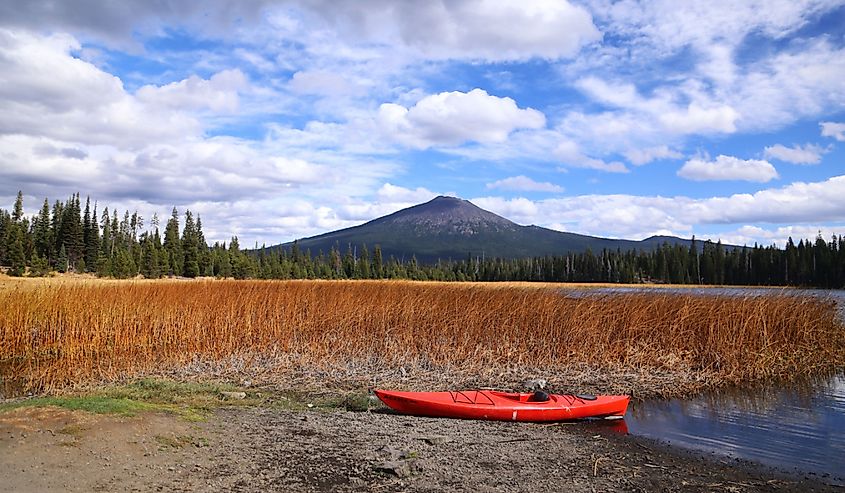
{"type": "Point", "coordinates": [800, 427]}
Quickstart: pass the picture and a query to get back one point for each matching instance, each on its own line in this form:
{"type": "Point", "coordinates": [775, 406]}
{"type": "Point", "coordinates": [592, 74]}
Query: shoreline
{"type": "Point", "coordinates": [255, 448]}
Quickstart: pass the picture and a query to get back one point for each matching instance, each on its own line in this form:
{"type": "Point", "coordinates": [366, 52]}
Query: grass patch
{"type": "Point", "coordinates": [192, 401]}
{"type": "Point", "coordinates": [90, 403]}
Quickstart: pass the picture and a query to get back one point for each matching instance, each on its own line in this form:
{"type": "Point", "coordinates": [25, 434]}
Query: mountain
{"type": "Point", "coordinates": [452, 228]}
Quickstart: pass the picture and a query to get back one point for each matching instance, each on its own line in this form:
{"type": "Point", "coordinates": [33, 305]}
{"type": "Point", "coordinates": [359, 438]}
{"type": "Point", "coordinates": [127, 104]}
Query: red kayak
{"type": "Point", "coordinates": [504, 406]}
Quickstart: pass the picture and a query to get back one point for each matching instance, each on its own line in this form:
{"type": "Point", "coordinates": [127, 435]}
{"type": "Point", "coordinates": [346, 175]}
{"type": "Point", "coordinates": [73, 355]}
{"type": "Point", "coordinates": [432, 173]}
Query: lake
{"type": "Point", "coordinates": [799, 428]}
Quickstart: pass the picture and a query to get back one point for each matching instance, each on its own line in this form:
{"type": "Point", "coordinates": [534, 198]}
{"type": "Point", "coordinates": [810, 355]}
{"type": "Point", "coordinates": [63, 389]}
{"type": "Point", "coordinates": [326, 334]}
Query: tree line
{"type": "Point", "coordinates": [66, 237]}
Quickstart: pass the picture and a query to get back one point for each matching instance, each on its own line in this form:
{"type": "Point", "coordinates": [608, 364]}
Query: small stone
{"type": "Point", "coordinates": [398, 468]}
{"type": "Point", "coordinates": [436, 439]}
{"type": "Point", "coordinates": [233, 395]}
{"type": "Point", "coordinates": [310, 405]}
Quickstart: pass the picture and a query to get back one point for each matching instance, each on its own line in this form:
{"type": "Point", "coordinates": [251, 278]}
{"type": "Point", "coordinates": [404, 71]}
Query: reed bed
{"type": "Point", "coordinates": [53, 336]}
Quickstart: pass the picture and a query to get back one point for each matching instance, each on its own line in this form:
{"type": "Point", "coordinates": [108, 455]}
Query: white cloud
{"type": "Point", "coordinates": [631, 216]}
{"type": "Point", "coordinates": [321, 82]}
{"type": "Point", "coordinates": [728, 168]}
{"type": "Point", "coordinates": [569, 153]}
{"type": "Point", "coordinates": [807, 154]}
{"type": "Point", "coordinates": [502, 30]}
{"type": "Point", "coordinates": [453, 118]}
{"type": "Point", "coordinates": [750, 234]}
{"type": "Point", "coordinates": [519, 210]}
{"type": "Point", "coordinates": [833, 129]}
{"type": "Point", "coordinates": [44, 91]}
{"type": "Point", "coordinates": [664, 27]}
{"type": "Point", "coordinates": [638, 157]}
{"type": "Point", "coordinates": [218, 94]}
{"type": "Point", "coordinates": [395, 193]}
{"type": "Point", "coordinates": [697, 118]}
{"type": "Point", "coordinates": [802, 82]}
{"type": "Point", "coordinates": [522, 183]}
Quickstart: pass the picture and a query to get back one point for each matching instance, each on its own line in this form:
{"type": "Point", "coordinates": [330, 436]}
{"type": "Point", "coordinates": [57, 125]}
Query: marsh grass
{"type": "Point", "coordinates": [54, 336]}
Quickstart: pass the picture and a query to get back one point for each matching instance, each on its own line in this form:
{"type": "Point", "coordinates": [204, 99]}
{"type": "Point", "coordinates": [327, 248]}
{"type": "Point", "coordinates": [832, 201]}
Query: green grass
{"type": "Point", "coordinates": [89, 403]}
{"type": "Point", "coordinates": [193, 401]}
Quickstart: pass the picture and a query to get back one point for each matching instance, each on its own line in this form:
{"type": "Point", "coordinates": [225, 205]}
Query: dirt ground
{"type": "Point", "coordinates": [254, 449]}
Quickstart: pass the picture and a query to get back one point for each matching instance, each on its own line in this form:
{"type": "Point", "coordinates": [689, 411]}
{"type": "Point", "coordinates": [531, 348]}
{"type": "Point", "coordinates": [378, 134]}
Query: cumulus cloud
{"type": "Point", "coordinates": [632, 216]}
{"type": "Point", "coordinates": [453, 118]}
{"type": "Point", "coordinates": [728, 168]}
{"type": "Point", "coordinates": [833, 129]}
{"type": "Point", "coordinates": [116, 23]}
{"type": "Point", "coordinates": [638, 157]}
{"type": "Point", "coordinates": [48, 92]}
{"type": "Point", "coordinates": [321, 82]}
{"type": "Point", "coordinates": [806, 154]}
{"type": "Point", "coordinates": [506, 30]}
{"type": "Point", "coordinates": [570, 153]}
{"type": "Point", "coordinates": [696, 118]}
{"type": "Point", "coordinates": [218, 94]}
{"type": "Point", "coordinates": [522, 183]}
{"type": "Point", "coordinates": [467, 29]}
{"type": "Point", "coordinates": [394, 193]}
{"type": "Point", "coordinates": [750, 234]}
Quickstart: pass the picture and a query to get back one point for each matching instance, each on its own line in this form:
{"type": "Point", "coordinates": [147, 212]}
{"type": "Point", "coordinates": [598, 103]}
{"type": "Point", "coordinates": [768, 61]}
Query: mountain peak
{"type": "Point", "coordinates": [444, 213]}
{"type": "Point", "coordinates": [451, 227]}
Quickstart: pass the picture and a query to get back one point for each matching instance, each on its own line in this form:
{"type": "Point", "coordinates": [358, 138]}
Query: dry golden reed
{"type": "Point", "coordinates": [55, 335]}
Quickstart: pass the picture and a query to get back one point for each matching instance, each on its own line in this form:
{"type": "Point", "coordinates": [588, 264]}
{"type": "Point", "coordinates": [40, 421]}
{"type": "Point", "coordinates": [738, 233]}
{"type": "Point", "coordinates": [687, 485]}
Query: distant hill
{"type": "Point", "coordinates": [451, 228]}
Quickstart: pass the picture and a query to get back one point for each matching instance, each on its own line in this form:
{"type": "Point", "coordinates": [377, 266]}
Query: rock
{"type": "Point", "coordinates": [394, 454]}
{"type": "Point", "coordinates": [233, 396]}
{"type": "Point", "coordinates": [436, 439]}
{"type": "Point", "coordinates": [398, 468]}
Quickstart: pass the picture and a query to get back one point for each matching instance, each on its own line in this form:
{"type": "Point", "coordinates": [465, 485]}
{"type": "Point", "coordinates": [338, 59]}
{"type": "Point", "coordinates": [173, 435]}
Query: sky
{"type": "Point", "coordinates": [277, 120]}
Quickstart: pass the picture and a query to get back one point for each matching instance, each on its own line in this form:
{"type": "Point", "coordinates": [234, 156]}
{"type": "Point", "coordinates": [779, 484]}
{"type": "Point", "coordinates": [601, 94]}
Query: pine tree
{"type": "Point", "coordinates": [204, 254]}
{"type": "Point", "coordinates": [17, 212]}
{"type": "Point", "coordinates": [92, 242]}
{"type": "Point", "coordinates": [189, 246]}
{"type": "Point", "coordinates": [56, 226]}
{"type": "Point", "coordinates": [43, 239]}
{"type": "Point", "coordinates": [71, 233]}
{"type": "Point", "coordinates": [62, 260]}
{"type": "Point", "coordinates": [15, 250]}
{"type": "Point", "coordinates": [39, 266]}
{"type": "Point", "coordinates": [173, 245]}
{"type": "Point", "coordinates": [106, 244]}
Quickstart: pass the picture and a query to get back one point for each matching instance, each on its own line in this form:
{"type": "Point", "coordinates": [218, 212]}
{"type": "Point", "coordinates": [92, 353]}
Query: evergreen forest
{"type": "Point", "coordinates": [67, 237]}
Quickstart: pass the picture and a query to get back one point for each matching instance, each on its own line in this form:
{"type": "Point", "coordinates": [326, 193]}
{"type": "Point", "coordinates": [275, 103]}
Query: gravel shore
{"type": "Point", "coordinates": [255, 449]}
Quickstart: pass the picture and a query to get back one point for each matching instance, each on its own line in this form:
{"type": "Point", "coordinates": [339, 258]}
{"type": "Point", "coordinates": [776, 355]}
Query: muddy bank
{"type": "Point", "coordinates": [261, 449]}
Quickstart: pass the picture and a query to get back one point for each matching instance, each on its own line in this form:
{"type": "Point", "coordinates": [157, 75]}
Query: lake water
{"type": "Point", "coordinates": [798, 429]}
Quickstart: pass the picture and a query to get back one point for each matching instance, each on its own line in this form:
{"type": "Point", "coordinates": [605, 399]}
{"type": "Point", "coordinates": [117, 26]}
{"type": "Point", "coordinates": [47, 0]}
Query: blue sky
{"type": "Point", "coordinates": [282, 119]}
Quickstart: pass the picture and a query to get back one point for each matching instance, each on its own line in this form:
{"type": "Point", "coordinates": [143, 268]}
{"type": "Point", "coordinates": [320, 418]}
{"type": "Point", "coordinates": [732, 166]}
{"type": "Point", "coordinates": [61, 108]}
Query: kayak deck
{"type": "Point", "coordinates": [503, 406]}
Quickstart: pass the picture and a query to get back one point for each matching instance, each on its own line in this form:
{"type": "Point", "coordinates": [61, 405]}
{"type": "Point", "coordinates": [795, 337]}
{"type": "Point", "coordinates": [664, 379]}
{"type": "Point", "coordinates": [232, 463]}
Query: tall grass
{"type": "Point", "coordinates": [55, 335]}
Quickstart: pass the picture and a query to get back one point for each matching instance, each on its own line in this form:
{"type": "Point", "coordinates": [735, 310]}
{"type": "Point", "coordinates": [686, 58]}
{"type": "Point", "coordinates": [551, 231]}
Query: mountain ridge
{"type": "Point", "coordinates": [451, 228]}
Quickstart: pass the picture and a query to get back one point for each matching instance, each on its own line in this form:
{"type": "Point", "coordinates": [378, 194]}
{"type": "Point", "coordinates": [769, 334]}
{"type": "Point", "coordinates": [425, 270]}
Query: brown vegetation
{"type": "Point", "coordinates": [53, 335]}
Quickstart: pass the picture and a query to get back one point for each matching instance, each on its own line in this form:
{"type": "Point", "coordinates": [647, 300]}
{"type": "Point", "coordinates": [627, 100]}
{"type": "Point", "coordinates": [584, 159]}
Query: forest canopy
{"type": "Point", "coordinates": [67, 237]}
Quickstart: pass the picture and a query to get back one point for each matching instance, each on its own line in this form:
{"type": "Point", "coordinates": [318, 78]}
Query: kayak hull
{"type": "Point", "coordinates": [502, 406]}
